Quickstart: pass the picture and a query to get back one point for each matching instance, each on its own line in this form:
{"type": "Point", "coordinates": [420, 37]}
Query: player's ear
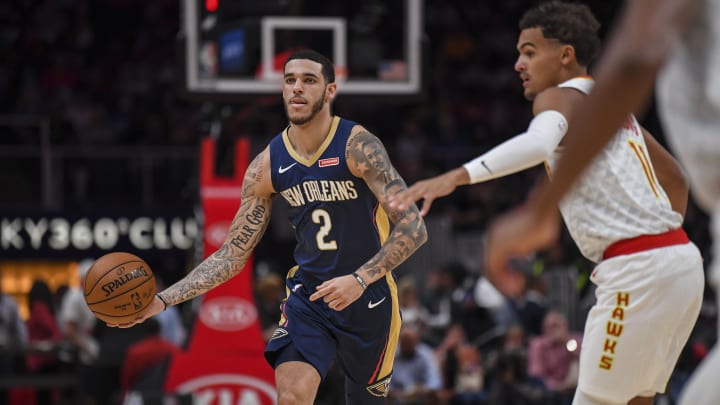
{"type": "Point", "coordinates": [330, 92]}
{"type": "Point", "coordinates": [567, 54]}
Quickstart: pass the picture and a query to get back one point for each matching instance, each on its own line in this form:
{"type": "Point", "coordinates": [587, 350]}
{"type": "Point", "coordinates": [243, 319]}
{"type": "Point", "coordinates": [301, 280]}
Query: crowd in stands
{"type": "Point", "coordinates": [105, 72]}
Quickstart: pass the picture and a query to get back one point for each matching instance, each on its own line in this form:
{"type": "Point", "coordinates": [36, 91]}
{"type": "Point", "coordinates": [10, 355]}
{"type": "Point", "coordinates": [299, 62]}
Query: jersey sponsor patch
{"type": "Point", "coordinates": [380, 388]}
{"type": "Point", "coordinates": [333, 161]}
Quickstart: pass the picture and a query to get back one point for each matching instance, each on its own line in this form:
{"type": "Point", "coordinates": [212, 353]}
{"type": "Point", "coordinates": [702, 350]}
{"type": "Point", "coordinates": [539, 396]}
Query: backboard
{"type": "Point", "coordinates": [239, 47]}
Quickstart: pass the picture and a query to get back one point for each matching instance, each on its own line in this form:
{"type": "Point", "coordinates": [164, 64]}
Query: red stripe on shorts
{"type": "Point", "coordinates": [646, 242]}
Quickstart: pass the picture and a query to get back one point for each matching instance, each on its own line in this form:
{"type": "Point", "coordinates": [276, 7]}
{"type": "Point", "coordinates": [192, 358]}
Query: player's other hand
{"type": "Point", "coordinates": [428, 190]}
{"type": "Point", "coordinates": [338, 292]}
{"type": "Point", "coordinates": [516, 234]}
{"type": "Point", "coordinates": [155, 307]}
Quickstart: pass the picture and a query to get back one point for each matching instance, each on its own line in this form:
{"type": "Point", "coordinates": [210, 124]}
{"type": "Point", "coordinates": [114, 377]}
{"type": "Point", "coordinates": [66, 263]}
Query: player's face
{"type": "Point", "coordinates": [305, 92]}
{"type": "Point", "coordinates": [373, 155]}
{"type": "Point", "coordinates": [538, 62]}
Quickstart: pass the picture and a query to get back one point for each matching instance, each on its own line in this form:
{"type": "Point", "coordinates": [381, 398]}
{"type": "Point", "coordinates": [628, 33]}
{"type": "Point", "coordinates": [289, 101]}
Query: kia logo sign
{"type": "Point", "coordinates": [227, 314]}
{"type": "Point", "coordinates": [229, 389]}
{"type": "Point", "coordinates": [216, 233]}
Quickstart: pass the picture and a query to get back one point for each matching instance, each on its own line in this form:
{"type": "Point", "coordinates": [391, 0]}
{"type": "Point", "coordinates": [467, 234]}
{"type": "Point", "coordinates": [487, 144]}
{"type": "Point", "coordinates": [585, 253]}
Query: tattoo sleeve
{"type": "Point", "coordinates": [367, 156]}
{"type": "Point", "coordinates": [245, 232]}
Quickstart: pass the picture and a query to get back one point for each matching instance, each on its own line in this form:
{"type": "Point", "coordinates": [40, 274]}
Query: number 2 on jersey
{"type": "Point", "coordinates": [321, 217]}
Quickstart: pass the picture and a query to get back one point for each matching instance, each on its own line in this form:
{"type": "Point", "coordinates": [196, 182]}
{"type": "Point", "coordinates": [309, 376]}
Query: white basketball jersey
{"type": "Point", "coordinates": [619, 196]}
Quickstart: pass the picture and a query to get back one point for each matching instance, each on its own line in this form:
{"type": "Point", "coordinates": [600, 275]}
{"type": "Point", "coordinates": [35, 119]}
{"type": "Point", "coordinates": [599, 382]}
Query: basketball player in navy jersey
{"type": "Point", "coordinates": [341, 302]}
{"type": "Point", "coordinates": [625, 214]}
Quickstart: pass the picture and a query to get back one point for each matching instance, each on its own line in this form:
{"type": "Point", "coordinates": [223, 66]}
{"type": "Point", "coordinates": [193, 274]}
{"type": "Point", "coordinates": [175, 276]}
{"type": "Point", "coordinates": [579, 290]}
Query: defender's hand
{"type": "Point", "coordinates": [429, 190]}
{"type": "Point", "coordinates": [339, 292]}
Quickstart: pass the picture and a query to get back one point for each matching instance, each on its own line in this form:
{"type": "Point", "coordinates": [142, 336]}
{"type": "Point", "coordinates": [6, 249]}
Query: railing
{"type": "Point", "coordinates": [39, 174]}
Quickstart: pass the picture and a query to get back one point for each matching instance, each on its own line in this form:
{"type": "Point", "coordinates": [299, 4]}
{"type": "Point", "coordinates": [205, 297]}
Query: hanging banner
{"type": "Point", "coordinates": [224, 361]}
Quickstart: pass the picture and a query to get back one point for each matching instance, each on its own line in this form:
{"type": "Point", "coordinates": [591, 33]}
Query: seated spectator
{"type": "Point", "coordinates": [410, 308]}
{"type": "Point", "coordinates": [269, 293]}
{"type": "Point", "coordinates": [512, 385]}
{"type": "Point", "coordinates": [145, 354]}
{"type": "Point", "coordinates": [416, 374]}
{"type": "Point", "coordinates": [13, 335]}
{"type": "Point", "coordinates": [553, 356]}
{"type": "Point", "coordinates": [77, 322]}
{"type": "Point", "coordinates": [172, 328]}
{"type": "Point", "coordinates": [42, 330]}
{"type": "Point", "coordinates": [469, 377]}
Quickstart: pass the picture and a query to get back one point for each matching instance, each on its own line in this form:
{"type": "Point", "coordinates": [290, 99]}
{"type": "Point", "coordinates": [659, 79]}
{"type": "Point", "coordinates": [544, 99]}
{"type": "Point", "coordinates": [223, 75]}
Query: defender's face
{"type": "Point", "coordinates": [539, 62]}
{"type": "Point", "coordinates": [304, 90]}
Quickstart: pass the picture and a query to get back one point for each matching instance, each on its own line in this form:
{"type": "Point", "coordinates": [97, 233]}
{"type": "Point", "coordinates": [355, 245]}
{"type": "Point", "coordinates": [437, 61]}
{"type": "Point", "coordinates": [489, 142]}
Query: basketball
{"type": "Point", "coordinates": [119, 287]}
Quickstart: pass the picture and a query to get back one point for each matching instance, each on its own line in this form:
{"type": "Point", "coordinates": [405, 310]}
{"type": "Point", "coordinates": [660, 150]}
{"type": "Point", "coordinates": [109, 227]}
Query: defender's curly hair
{"type": "Point", "coordinates": [570, 23]}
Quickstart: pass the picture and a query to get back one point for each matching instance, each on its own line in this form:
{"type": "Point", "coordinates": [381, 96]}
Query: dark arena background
{"type": "Point", "coordinates": [127, 125]}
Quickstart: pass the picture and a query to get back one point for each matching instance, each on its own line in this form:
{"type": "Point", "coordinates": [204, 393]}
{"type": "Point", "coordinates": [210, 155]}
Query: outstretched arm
{"type": "Point", "coordinates": [518, 153]}
{"type": "Point", "coordinates": [624, 80]}
{"type": "Point", "coordinates": [245, 232]}
{"type": "Point", "coordinates": [367, 158]}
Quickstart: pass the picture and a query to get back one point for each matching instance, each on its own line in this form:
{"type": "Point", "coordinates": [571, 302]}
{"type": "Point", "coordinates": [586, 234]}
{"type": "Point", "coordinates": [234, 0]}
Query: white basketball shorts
{"type": "Point", "coordinates": [647, 305]}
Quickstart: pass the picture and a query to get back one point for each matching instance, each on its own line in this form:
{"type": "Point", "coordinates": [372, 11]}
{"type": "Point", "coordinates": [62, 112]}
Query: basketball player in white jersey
{"type": "Point", "coordinates": [625, 214]}
{"type": "Point", "coordinates": [685, 36]}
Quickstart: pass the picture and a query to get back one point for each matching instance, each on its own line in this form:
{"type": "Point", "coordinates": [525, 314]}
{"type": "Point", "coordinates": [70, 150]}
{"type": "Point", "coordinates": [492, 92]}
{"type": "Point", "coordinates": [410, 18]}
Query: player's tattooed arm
{"type": "Point", "coordinates": [367, 158]}
{"type": "Point", "coordinates": [246, 230]}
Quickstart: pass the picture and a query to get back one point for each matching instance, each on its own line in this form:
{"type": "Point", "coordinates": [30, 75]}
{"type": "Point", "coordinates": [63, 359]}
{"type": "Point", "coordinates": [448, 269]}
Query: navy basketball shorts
{"type": "Point", "coordinates": [361, 339]}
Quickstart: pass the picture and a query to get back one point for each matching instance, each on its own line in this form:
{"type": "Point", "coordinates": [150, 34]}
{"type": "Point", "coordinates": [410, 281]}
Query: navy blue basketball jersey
{"type": "Point", "coordinates": [338, 222]}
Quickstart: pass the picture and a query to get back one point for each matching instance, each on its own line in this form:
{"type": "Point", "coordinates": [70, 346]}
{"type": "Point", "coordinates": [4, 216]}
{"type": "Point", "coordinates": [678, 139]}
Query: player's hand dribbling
{"type": "Point", "coordinates": [155, 307]}
{"type": "Point", "coordinates": [339, 292]}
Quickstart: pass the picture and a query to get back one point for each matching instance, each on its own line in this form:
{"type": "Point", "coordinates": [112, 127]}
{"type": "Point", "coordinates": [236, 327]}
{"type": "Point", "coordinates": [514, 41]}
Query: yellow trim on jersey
{"type": "Point", "coordinates": [290, 273]}
{"type": "Point", "coordinates": [321, 149]}
{"type": "Point", "coordinates": [394, 333]}
{"type": "Point", "coordinates": [382, 222]}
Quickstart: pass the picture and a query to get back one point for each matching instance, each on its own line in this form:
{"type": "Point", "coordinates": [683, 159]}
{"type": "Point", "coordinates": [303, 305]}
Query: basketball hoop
{"type": "Point", "coordinates": [341, 73]}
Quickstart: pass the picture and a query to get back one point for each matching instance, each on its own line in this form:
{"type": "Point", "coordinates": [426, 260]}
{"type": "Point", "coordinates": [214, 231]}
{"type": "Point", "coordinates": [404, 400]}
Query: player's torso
{"type": "Point", "coordinates": [337, 220]}
{"type": "Point", "coordinates": [619, 196]}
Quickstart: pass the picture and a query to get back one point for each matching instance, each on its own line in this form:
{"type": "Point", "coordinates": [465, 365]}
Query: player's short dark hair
{"type": "Point", "coordinates": [570, 23]}
{"type": "Point", "coordinates": [328, 70]}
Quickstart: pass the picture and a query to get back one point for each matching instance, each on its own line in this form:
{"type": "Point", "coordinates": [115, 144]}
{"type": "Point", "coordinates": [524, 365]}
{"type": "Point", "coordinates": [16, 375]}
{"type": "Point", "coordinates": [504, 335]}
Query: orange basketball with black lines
{"type": "Point", "coordinates": [119, 287]}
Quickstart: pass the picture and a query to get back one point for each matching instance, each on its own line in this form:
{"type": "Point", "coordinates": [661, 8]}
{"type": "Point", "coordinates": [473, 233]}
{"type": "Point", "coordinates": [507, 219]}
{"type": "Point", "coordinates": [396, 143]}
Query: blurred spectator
{"type": "Point", "coordinates": [113, 346]}
{"type": "Point", "coordinates": [553, 357]}
{"type": "Point", "coordinates": [512, 385]}
{"type": "Point", "coordinates": [269, 293]}
{"type": "Point", "coordinates": [172, 328]}
{"type": "Point", "coordinates": [532, 307]}
{"type": "Point", "coordinates": [469, 378]}
{"type": "Point", "coordinates": [416, 374]}
{"type": "Point", "coordinates": [77, 322]}
{"type": "Point", "coordinates": [143, 356]}
{"type": "Point", "coordinates": [58, 297]}
{"type": "Point", "coordinates": [413, 313]}
{"type": "Point", "coordinates": [13, 336]}
{"type": "Point", "coordinates": [514, 341]}
{"type": "Point", "coordinates": [446, 353]}
{"type": "Point", "coordinates": [440, 294]}
{"type": "Point", "coordinates": [44, 335]}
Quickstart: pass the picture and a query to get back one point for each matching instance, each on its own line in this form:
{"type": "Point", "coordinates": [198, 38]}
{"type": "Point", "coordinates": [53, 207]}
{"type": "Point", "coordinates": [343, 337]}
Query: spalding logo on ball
{"type": "Point", "coordinates": [119, 287]}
